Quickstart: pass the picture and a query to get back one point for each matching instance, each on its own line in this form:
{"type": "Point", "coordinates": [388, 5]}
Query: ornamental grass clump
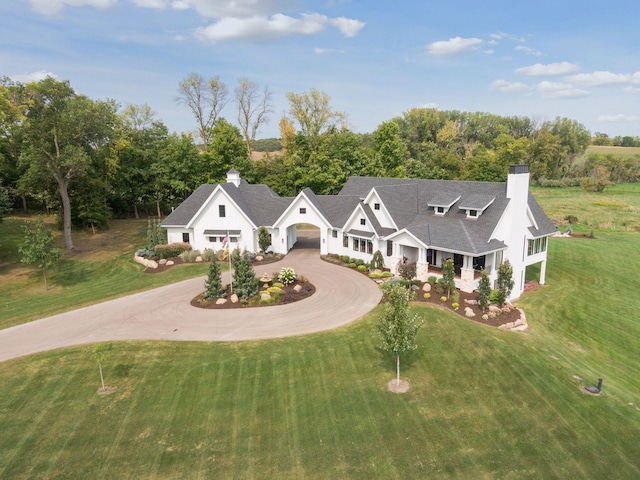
{"type": "Point", "coordinates": [287, 275]}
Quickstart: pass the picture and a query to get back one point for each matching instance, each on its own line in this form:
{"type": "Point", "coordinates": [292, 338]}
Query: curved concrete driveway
{"type": "Point", "coordinates": [342, 296]}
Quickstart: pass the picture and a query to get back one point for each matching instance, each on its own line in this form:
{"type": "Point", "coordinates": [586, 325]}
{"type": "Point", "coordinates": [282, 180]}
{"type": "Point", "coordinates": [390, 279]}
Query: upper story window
{"type": "Point", "coordinates": [440, 210]}
{"type": "Point", "coordinates": [185, 237]}
{"type": "Point", "coordinates": [376, 206]}
{"type": "Point", "coordinates": [363, 221]}
{"type": "Point", "coordinates": [334, 233]}
{"type": "Point", "coordinates": [537, 245]}
{"type": "Point", "coordinates": [222, 211]}
{"type": "Point", "coordinates": [303, 210]}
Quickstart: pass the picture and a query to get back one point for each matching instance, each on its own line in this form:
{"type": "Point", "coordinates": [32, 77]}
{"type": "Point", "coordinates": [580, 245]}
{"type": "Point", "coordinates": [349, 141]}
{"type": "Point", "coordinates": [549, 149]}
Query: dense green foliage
{"type": "Point", "coordinates": [264, 239]}
{"type": "Point", "coordinates": [448, 276]}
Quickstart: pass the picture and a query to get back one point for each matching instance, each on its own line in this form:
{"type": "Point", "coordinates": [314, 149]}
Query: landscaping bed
{"type": "Point", "coordinates": [173, 261]}
{"type": "Point", "coordinates": [289, 295]}
{"type": "Point", "coordinates": [467, 307]}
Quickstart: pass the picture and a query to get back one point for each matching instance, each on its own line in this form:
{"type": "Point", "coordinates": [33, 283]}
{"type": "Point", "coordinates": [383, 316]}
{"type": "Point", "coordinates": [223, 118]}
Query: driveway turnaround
{"type": "Point", "coordinates": [342, 296]}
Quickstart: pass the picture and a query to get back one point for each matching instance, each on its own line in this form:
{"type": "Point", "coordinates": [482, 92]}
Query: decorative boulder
{"type": "Point", "coordinates": [485, 317]}
{"type": "Point", "coordinates": [470, 302]}
{"type": "Point", "coordinates": [234, 298]}
{"type": "Point", "coordinates": [162, 261]}
{"type": "Point", "coordinates": [468, 312]}
{"type": "Point", "coordinates": [297, 288]}
{"type": "Point", "coordinates": [426, 287]}
{"type": "Point", "coordinates": [170, 263]}
{"type": "Point", "coordinates": [259, 258]}
{"type": "Point", "coordinates": [265, 296]}
{"type": "Point", "coordinates": [221, 301]}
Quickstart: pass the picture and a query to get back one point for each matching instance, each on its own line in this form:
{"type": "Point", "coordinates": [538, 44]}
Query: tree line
{"type": "Point", "coordinates": [91, 160]}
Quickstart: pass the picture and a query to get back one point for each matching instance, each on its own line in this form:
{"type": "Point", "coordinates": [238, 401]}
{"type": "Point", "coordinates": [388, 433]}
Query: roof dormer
{"type": "Point", "coordinates": [475, 205]}
{"type": "Point", "coordinates": [442, 202]}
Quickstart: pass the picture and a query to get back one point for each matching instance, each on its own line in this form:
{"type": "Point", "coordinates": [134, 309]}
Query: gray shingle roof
{"type": "Point", "coordinates": [476, 202]}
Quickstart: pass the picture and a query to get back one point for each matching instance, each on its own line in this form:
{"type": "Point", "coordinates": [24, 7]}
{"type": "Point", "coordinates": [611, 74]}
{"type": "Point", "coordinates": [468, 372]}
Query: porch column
{"type": "Point", "coordinates": [543, 271]}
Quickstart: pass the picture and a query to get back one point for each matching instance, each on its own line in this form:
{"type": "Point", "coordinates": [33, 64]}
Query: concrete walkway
{"type": "Point", "coordinates": [342, 296]}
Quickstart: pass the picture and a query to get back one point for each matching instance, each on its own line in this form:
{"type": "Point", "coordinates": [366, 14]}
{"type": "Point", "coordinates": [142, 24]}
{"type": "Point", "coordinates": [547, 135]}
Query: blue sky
{"type": "Point", "coordinates": [376, 59]}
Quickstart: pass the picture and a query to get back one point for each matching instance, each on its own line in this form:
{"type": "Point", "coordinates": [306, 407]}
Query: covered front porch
{"type": "Point", "coordinates": [429, 262]}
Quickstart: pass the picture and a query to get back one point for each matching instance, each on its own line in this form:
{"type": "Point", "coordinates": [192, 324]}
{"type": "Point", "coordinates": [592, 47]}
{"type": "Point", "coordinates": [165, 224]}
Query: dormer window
{"type": "Point", "coordinates": [442, 202]}
{"type": "Point", "coordinates": [475, 205]}
{"type": "Point", "coordinates": [363, 221]}
{"type": "Point", "coordinates": [376, 206]}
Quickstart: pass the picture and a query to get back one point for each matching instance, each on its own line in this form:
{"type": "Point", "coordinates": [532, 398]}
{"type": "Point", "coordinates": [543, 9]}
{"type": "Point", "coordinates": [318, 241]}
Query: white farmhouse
{"type": "Point", "coordinates": [477, 224]}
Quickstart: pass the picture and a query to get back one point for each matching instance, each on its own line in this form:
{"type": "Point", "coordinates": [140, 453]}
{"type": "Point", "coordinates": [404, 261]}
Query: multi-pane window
{"type": "Point", "coordinates": [345, 241]}
{"type": "Point", "coordinates": [222, 211]}
{"type": "Point", "coordinates": [537, 245]}
{"type": "Point", "coordinates": [356, 244]}
{"type": "Point", "coordinates": [185, 237]}
{"type": "Point", "coordinates": [369, 246]}
{"type": "Point", "coordinates": [389, 248]}
{"type": "Point", "coordinates": [376, 206]}
{"type": "Point", "coordinates": [363, 221]}
{"type": "Point", "coordinates": [303, 210]}
{"type": "Point", "coordinates": [334, 233]}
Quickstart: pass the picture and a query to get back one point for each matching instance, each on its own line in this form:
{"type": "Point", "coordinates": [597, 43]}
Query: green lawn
{"type": "Point", "coordinates": [483, 404]}
{"type": "Point", "coordinates": [617, 151]}
{"type": "Point", "coordinates": [100, 268]}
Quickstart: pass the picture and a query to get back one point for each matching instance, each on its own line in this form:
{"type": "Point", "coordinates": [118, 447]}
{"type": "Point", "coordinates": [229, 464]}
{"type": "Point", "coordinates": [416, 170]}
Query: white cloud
{"type": "Point", "coordinates": [348, 26]}
{"type": "Point", "coordinates": [33, 76]}
{"type": "Point", "coordinates": [53, 7]}
{"type": "Point", "coordinates": [508, 36]}
{"type": "Point", "coordinates": [322, 51]}
{"type": "Point", "coordinates": [453, 46]}
{"type": "Point", "coordinates": [631, 90]}
{"type": "Point", "coordinates": [235, 8]}
{"type": "Point", "coordinates": [620, 117]}
{"type": "Point", "coordinates": [529, 50]}
{"type": "Point", "coordinates": [262, 28]}
{"type": "Point", "coordinates": [549, 70]}
{"type": "Point", "coordinates": [508, 87]}
{"type": "Point", "coordinates": [556, 90]}
{"type": "Point", "coordinates": [600, 78]}
{"type": "Point", "coordinates": [150, 3]}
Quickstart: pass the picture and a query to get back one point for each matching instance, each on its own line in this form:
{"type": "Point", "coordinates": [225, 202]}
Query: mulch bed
{"type": "Point", "coordinates": [289, 296]}
{"type": "Point", "coordinates": [509, 314]}
{"type": "Point", "coordinates": [178, 261]}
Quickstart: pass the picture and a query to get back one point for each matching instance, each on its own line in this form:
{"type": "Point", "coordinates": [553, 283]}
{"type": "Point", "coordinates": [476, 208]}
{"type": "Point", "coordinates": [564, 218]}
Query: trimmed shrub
{"type": "Point", "coordinates": [275, 290]}
{"type": "Point", "coordinates": [375, 275]}
{"type": "Point", "coordinates": [432, 280]}
{"type": "Point", "coordinates": [443, 299]}
{"type": "Point", "coordinates": [170, 250]}
{"type": "Point", "coordinates": [278, 284]}
{"type": "Point", "coordinates": [208, 254]}
{"type": "Point", "coordinates": [362, 268]}
{"type": "Point", "coordinates": [359, 261]}
{"type": "Point", "coordinates": [455, 297]}
{"type": "Point", "coordinates": [407, 271]}
{"type": "Point", "coordinates": [387, 274]}
{"type": "Point", "coordinates": [427, 295]}
{"type": "Point", "coordinates": [455, 305]}
{"type": "Point", "coordinates": [351, 265]}
{"type": "Point", "coordinates": [345, 259]}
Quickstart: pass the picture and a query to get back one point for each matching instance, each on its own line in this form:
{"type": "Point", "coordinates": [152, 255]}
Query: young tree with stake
{"type": "Point", "coordinates": [397, 327]}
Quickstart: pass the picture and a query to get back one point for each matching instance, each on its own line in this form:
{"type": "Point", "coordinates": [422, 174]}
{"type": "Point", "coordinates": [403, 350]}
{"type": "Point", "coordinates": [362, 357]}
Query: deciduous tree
{"type": "Point", "coordinates": [205, 99]}
{"type": "Point", "coordinates": [314, 114]}
{"type": "Point", "coordinates": [253, 109]}
{"type": "Point", "coordinates": [397, 327]}
{"type": "Point", "coordinates": [38, 247]}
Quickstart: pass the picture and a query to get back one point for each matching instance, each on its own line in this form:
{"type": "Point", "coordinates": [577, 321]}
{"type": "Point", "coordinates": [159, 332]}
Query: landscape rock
{"type": "Point", "coordinates": [221, 301]}
{"type": "Point", "coordinates": [468, 312]}
{"type": "Point", "coordinates": [493, 309]}
{"type": "Point", "coordinates": [162, 261]}
{"type": "Point", "coordinates": [259, 258]}
{"type": "Point", "coordinates": [470, 302]}
{"type": "Point", "coordinates": [520, 328]}
{"type": "Point", "coordinates": [297, 288]}
{"type": "Point", "coordinates": [146, 262]}
{"type": "Point", "coordinates": [234, 298]}
{"type": "Point", "coordinates": [265, 296]}
{"type": "Point", "coordinates": [199, 259]}
{"type": "Point", "coordinates": [170, 263]}
{"type": "Point", "coordinates": [485, 317]}
{"type": "Point", "coordinates": [426, 287]}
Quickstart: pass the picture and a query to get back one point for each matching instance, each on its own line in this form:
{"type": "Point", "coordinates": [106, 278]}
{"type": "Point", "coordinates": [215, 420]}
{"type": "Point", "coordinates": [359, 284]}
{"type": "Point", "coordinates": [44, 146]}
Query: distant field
{"type": "Point", "coordinates": [619, 151]}
{"type": "Point", "coordinates": [614, 210]}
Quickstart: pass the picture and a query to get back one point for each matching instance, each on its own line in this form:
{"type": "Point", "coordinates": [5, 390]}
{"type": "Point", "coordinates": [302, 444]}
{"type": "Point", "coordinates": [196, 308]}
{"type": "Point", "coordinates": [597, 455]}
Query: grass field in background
{"type": "Point", "coordinates": [617, 209]}
{"type": "Point", "coordinates": [483, 403]}
{"type": "Point", "coordinates": [617, 151]}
